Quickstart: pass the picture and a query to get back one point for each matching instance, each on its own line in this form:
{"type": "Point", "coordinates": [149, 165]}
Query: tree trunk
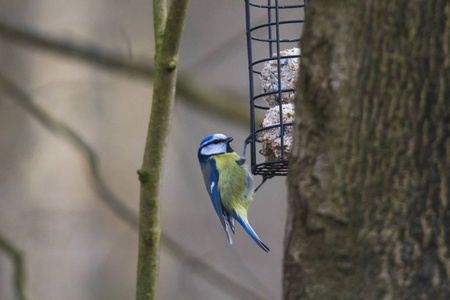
{"type": "Point", "coordinates": [370, 169]}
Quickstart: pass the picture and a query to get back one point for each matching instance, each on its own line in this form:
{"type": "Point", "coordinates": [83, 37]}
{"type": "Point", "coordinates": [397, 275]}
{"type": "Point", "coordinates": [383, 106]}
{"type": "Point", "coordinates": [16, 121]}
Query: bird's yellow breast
{"type": "Point", "coordinates": [232, 185]}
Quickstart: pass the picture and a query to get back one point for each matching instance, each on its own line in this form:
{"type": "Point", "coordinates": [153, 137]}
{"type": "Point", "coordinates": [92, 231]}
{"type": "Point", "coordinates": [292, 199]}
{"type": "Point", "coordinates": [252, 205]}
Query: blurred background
{"type": "Point", "coordinates": [73, 245]}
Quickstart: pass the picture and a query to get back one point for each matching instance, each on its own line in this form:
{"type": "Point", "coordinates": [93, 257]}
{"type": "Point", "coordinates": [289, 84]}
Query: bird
{"type": "Point", "coordinates": [229, 184]}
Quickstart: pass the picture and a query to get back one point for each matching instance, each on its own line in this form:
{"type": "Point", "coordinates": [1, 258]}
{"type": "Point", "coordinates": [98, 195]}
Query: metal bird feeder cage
{"type": "Point", "coordinates": [273, 35]}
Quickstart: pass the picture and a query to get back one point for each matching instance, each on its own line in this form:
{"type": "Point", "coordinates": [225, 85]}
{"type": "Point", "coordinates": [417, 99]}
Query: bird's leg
{"type": "Point", "coordinates": [265, 177]}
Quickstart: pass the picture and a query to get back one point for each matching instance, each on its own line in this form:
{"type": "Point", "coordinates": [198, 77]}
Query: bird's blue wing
{"type": "Point", "coordinates": [211, 177]}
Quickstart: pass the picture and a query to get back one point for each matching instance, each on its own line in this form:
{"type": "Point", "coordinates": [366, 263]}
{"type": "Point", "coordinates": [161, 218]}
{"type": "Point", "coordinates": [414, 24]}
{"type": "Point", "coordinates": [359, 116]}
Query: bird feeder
{"type": "Point", "coordinates": [273, 35]}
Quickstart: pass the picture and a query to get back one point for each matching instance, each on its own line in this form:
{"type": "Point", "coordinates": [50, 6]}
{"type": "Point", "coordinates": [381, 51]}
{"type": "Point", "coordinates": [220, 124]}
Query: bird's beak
{"type": "Point", "coordinates": [228, 139]}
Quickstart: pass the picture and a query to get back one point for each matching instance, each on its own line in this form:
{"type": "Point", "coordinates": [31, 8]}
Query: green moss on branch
{"type": "Point", "coordinates": [167, 48]}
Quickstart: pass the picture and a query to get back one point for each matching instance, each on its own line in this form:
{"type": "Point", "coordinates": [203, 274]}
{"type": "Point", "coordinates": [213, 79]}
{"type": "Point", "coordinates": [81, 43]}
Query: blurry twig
{"type": "Point", "coordinates": [214, 101]}
{"type": "Point", "coordinates": [85, 52]}
{"type": "Point", "coordinates": [203, 269]}
{"type": "Point", "coordinates": [221, 281]}
{"type": "Point", "coordinates": [230, 108]}
{"type": "Point", "coordinates": [19, 272]}
{"type": "Point", "coordinates": [66, 132]}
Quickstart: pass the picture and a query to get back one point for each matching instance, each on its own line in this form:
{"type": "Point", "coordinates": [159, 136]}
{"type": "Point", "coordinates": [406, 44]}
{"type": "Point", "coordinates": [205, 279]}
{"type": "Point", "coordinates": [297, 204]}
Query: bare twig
{"type": "Point", "coordinates": [214, 101]}
{"type": "Point", "coordinates": [125, 213]}
{"type": "Point", "coordinates": [66, 132]}
{"type": "Point", "coordinates": [222, 104]}
{"type": "Point", "coordinates": [19, 269]}
{"type": "Point", "coordinates": [224, 283]}
{"type": "Point", "coordinates": [85, 52]}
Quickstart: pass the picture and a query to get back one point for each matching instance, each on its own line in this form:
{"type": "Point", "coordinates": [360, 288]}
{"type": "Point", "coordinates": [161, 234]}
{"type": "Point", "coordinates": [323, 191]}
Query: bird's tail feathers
{"type": "Point", "coordinates": [226, 224]}
{"type": "Point", "coordinates": [251, 232]}
{"type": "Point", "coordinates": [231, 222]}
{"type": "Point", "coordinates": [228, 235]}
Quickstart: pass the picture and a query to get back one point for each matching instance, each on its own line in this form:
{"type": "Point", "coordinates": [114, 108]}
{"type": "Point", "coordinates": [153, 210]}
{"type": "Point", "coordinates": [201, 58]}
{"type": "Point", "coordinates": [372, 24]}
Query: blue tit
{"type": "Point", "coordinates": [228, 182]}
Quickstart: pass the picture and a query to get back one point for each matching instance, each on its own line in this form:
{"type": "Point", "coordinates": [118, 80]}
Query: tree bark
{"type": "Point", "coordinates": [369, 181]}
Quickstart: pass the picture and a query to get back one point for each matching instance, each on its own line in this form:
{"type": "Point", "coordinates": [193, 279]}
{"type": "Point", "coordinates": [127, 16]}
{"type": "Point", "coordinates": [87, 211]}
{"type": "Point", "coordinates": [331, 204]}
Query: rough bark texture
{"type": "Point", "coordinates": [370, 169]}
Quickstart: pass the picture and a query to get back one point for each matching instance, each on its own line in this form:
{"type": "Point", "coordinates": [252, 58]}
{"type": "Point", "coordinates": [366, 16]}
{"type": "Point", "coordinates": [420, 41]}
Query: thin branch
{"type": "Point", "coordinates": [228, 107]}
{"type": "Point", "coordinates": [150, 174]}
{"type": "Point", "coordinates": [85, 52]}
{"type": "Point", "coordinates": [159, 22]}
{"type": "Point", "coordinates": [61, 129]}
{"type": "Point", "coordinates": [118, 206]}
{"type": "Point", "coordinates": [19, 268]}
{"type": "Point", "coordinates": [214, 101]}
{"type": "Point", "coordinates": [222, 282]}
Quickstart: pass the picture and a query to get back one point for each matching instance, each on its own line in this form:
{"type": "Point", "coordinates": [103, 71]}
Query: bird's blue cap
{"type": "Point", "coordinates": [215, 137]}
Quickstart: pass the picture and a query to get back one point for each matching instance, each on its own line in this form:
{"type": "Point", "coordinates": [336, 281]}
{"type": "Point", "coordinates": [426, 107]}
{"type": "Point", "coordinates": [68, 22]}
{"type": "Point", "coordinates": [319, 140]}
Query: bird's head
{"type": "Point", "coordinates": [215, 144]}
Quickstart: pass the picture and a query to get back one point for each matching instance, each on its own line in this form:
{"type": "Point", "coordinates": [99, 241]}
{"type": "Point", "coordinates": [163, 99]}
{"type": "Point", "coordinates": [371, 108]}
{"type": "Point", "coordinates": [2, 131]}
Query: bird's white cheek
{"type": "Point", "coordinates": [214, 149]}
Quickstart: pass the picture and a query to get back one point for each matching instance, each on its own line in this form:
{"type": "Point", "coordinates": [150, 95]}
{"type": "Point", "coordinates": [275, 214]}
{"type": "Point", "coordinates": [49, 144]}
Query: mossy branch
{"type": "Point", "coordinates": [166, 57]}
{"type": "Point", "coordinates": [159, 22]}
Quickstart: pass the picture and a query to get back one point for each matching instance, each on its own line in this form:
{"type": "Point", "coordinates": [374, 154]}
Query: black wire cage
{"type": "Point", "coordinates": [273, 35]}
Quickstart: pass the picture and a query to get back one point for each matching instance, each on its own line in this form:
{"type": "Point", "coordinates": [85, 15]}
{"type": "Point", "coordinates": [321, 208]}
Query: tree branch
{"type": "Point", "coordinates": [19, 269]}
{"type": "Point", "coordinates": [204, 270]}
{"type": "Point", "coordinates": [66, 132]}
{"type": "Point", "coordinates": [230, 108]}
{"type": "Point", "coordinates": [85, 52]}
{"type": "Point", "coordinates": [159, 22]}
{"type": "Point", "coordinates": [150, 174]}
{"type": "Point", "coordinates": [223, 104]}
